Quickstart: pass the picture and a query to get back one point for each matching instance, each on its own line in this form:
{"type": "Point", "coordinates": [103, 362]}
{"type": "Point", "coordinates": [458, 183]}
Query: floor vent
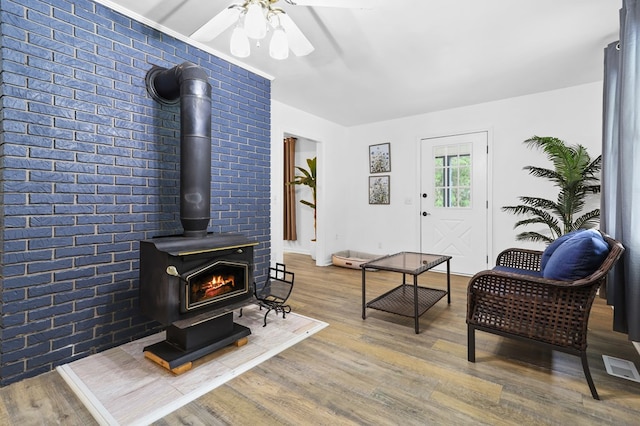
{"type": "Point", "coordinates": [621, 368]}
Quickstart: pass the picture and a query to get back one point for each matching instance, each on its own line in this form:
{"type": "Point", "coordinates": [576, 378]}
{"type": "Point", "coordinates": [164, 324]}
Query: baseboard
{"type": "Point", "coordinates": [296, 251]}
{"type": "Point", "coordinates": [325, 262]}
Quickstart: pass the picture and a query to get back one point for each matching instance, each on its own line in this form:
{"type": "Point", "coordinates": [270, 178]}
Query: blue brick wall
{"type": "Point", "coordinates": [90, 166]}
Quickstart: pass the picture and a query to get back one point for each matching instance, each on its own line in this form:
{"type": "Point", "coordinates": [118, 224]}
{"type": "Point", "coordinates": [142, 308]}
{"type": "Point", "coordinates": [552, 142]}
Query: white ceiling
{"type": "Point", "coordinates": [407, 57]}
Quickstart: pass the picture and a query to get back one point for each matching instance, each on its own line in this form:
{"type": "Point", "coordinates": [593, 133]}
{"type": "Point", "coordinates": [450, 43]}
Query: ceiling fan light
{"type": "Point", "coordinates": [279, 45]}
{"type": "Point", "coordinates": [240, 43]}
{"type": "Point", "coordinates": [255, 23]}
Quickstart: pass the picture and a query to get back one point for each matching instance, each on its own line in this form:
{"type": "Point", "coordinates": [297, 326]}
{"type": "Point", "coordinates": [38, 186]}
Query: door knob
{"type": "Point", "coordinates": [424, 195]}
{"type": "Point", "coordinates": [426, 214]}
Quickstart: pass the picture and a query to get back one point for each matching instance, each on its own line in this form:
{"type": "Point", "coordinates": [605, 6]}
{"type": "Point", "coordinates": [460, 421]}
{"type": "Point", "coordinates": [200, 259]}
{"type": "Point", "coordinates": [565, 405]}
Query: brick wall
{"type": "Point", "coordinates": [90, 166]}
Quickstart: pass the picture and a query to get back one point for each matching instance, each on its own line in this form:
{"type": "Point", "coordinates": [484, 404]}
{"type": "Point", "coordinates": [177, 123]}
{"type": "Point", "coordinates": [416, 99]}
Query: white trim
{"type": "Point", "coordinates": [490, 236]}
{"type": "Point", "coordinates": [120, 9]}
{"type": "Point", "coordinates": [97, 410]}
{"type": "Point", "coordinates": [417, 222]}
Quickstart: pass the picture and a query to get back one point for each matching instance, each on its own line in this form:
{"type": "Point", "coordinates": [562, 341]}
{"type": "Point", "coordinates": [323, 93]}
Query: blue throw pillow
{"type": "Point", "coordinates": [551, 248]}
{"type": "Point", "coordinates": [577, 257]}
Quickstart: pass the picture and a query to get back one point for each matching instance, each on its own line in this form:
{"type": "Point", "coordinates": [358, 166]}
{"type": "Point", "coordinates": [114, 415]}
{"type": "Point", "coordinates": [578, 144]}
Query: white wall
{"type": "Point", "coordinates": [347, 221]}
{"type": "Point", "coordinates": [329, 138]}
{"type": "Point", "coordinates": [572, 114]}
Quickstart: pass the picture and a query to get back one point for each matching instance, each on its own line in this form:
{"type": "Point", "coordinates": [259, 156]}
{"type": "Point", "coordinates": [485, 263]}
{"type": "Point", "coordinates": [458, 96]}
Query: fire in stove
{"type": "Point", "coordinates": [205, 289]}
{"type": "Point", "coordinates": [215, 282]}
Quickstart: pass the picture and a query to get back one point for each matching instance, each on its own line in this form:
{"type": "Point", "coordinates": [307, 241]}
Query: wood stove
{"type": "Point", "coordinates": [192, 282]}
{"type": "Point", "coordinates": [193, 285]}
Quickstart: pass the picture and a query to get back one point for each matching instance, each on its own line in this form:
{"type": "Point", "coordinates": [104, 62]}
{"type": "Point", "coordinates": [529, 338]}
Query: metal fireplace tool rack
{"type": "Point", "coordinates": [274, 293]}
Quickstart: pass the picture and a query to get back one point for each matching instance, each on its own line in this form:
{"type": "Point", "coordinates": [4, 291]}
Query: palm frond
{"type": "Point", "coordinates": [522, 209]}
{"type": "Point", "coordinates": [538, 216]}
{"type": "Point", "coordinates": [536, 220]}
{"type": "Point", "coordinates": [528, 210]}
{"type": "Point", "coordinates": [587, 220]}
{"type": "Point", "coordinates": [544, 173]}
{"type": "Point", "coordinates": [539, 202]}
{"type": "Point", "coordinates": [593, 168]}
{"type": "Point", "coordinates": [592, 189]}
{"type": "Point", "coordinates": [557, 152]}
{"type": "Point", "coordinates": [533, 236]}
{"type": "Point", "coordinates": [308, 203]}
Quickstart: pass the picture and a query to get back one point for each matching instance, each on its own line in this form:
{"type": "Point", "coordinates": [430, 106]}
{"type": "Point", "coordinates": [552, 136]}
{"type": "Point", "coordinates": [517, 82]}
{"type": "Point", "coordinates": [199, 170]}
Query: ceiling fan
{"type": "Point", "coordinates": [254, 18]}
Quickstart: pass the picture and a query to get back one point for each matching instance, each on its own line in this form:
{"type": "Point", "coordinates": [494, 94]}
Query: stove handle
{"type": "Point", "coordinates": [171, 270]}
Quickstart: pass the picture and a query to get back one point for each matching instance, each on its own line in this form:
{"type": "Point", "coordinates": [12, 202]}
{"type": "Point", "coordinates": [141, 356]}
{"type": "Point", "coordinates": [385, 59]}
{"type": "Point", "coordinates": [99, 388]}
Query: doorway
{"type": "Point", "coordinates": [454, 200]}
{"type": "Point", "coordinates": [305, 148]}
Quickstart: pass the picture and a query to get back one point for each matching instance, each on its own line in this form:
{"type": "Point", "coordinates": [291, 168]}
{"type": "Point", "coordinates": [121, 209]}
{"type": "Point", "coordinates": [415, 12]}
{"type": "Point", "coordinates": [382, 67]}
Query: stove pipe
{"type": "Point", "coordinates": [187, 83]}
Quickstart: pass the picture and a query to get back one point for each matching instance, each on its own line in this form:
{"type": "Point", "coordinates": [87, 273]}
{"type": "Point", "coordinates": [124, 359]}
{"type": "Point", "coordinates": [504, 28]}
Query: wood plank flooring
{"type": "Point", "coordinates": [379, 372]}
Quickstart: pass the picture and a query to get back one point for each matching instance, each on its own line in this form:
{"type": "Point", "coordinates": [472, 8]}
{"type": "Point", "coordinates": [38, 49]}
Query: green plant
{"type": "Point", "coordinates": [576, 176]}
{"type": "Point", "coordinates": [308, 178]}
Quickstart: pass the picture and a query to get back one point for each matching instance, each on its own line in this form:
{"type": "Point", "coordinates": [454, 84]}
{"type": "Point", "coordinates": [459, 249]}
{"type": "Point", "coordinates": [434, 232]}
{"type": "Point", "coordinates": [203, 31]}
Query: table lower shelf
{"type": "Point", "coordinates": [400, 300]}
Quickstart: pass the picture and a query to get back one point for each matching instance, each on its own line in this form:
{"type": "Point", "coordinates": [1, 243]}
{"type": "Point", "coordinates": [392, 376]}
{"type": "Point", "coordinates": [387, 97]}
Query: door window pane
{"type": "Point", "coordinates": [452, 176]}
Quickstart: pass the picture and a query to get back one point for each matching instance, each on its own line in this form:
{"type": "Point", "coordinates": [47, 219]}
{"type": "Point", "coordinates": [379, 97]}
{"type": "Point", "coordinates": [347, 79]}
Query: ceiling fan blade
{"type": "Point", "coordinates": [298, 43]}
{"type": "Point", "coordinates": [351, 4]}
{"type": "Point", "coordinates": [217, 25]}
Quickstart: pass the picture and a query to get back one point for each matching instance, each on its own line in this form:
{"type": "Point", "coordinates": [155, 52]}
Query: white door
{"type": "Point", "coordinates": [453, 200]}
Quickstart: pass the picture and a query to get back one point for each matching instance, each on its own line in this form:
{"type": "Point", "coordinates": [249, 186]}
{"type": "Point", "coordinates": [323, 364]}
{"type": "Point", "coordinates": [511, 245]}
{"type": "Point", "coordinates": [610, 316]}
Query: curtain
{"type": "Point", "coordinates": [620, 200]}
{"type": "Point", "coordinates": [608, 180]}
{"type": "Point", "coordinates": [290, 233]}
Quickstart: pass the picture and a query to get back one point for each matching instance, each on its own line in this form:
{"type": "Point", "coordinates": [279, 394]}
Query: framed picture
{"type": "Point", "coordinates": [380, 158]}
{"type": "Point", "coordinates": [379, 189]}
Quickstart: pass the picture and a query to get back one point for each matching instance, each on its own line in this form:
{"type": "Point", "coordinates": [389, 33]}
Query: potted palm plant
{"type": "Point", "coordinates": [308, 178]}
{"type": "Point", "coordinates": [576, 176]}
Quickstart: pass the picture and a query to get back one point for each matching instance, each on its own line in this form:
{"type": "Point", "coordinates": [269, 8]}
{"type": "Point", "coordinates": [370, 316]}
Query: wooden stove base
{"type": "Point", "coordinates": [183, 346]}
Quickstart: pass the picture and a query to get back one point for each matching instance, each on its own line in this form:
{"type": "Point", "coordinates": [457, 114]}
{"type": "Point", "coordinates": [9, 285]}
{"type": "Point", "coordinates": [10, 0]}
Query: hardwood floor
{"type": "Point", "coordinates": [378, 371]}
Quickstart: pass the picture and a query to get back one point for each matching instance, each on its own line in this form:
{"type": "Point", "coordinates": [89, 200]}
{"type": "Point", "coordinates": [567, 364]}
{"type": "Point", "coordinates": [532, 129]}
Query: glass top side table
{"type": "Point", "coordinates": [407, 299]}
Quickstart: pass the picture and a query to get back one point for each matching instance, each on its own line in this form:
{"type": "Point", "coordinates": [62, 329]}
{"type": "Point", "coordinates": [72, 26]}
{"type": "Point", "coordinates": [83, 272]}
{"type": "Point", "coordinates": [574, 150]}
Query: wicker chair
{"type": "Point", "coordinates": [543, 311]}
